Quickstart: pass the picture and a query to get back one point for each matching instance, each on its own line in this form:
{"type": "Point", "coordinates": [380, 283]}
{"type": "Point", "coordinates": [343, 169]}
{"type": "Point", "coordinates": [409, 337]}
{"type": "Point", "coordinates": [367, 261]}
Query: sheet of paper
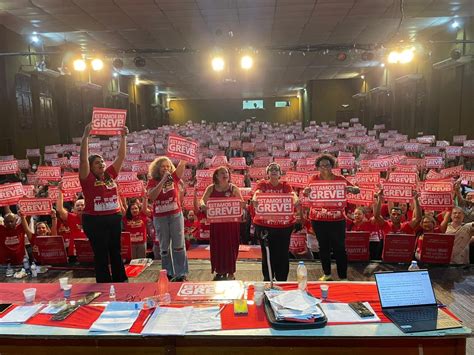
{"type": "Point", "coordinates": [168, 321]}
{"type": "Point", "coordinates": [52, 309]}
{"type": "Point", "coordinates": [341, 312]}
{"type": "Point", "coordinates": [21, 314]}
{"type": "Point", "coordinates": [117, 317]}
{"type": "Point", "coordinates": [204, 318]}
{"type": "Point", "coordinates": [296, 299]}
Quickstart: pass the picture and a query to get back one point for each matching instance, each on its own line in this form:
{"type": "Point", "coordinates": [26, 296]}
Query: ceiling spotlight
{"type": "Point", "coordinates": [362, 77]}
{"type": "Point", "coordinates": [367, 56]}
{"type": "Point", "coordinates": [137, 80]}
{"type": "Point", "coordinates": [79, 65]}
{"type": "Point", "coordinates": [139, 62]}
{"type": "Point", "coordinates": [217, 64]}
{"type": "Point", "coordinates": [455, 54]}
{"type": "Point", "coordinates": [117, 63]}
{"type": "Point", "coordinates": [382, 65]}
{"type": "Point", "coordinates": [115, 74]}
{"type": "Point", "coordinates": [393, 57]}
{"type": "Point", "coordinates": [406, 56]}
{"type": "Point", "coordinates": [455, 24]}
{"type": "Point", "coordinates": [97, 64]}
{"type": "Point", "coordinates": [341, 56]}
{"type": "Point", "coordinates": [246, 62]}
{"type": "Point", "coordinates": [35, 39]}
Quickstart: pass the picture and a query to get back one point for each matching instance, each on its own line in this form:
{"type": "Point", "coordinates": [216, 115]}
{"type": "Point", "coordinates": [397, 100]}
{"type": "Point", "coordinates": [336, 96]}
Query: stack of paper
{"type": "Point", "coordinates": [294, 305]}
{"type": "Point", "coordinates": [21, 314]}
{"type": "Point", "coordinates": [117, 317]}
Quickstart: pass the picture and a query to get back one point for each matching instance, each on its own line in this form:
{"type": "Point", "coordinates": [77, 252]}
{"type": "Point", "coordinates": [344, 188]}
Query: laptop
{"type": "Point", "coordinates": [408, 300]}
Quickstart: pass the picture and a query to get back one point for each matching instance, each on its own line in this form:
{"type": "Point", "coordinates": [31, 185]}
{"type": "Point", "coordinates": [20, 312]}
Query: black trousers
{"type": "Point", "coordinates": [332, 236]}
{"type": "Point", "coordinates": [279, 245]}
{"type": "Point", "coordinates": [104, 233]}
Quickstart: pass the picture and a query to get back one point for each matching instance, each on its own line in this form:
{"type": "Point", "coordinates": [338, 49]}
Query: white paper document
{"type": "Point", "coordinates": [53, 309]}
{"type": "Point", "coordinates": [204, 318]}
{"type": "Point", "coordinates": [117, 317]}
{"type": "Point", "coordinates": [294, 304]}
{"type": "Point", "coordinates": [21, 314]}
{"type": "Point", "coordinates": [341, 312]}
{"type": "Point", "coordinates": [168, 321]}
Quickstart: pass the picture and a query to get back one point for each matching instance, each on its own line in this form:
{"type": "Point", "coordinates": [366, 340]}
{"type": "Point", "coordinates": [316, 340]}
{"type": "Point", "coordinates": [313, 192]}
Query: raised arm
{"type": "Point", "coordinates": [25, 225]}
{"type": "Point", "coordinates": [60, 203]}
{"type": "Point", "coordinates": [444, 223]}
{"type": "Point", "coordinates": [84, 153]}
{"type": "Point", "coordinates": [417, 212]}
{"type": "Point", "coordinates": [377, 209]}
{"type": "Point", "coordinates": [180, 168]}
{"type": "Point", "coordinates": [54, 222]}
{"type": "Point", "coordinates": [117, 164]}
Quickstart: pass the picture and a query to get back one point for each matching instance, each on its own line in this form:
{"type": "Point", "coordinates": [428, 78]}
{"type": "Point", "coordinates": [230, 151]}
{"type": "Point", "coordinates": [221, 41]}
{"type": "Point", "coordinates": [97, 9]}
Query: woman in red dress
{"type": "Point", "coordinates": [224, 237]}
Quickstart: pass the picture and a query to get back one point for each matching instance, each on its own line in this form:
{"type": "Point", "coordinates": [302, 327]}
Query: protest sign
{"type": "Point", "coordinates": [131, 189]}
{"type": "Point", "coordinates": [436, 248]}
{"type": "Point", "coordinates": [397, 192]}
{"type": "Point", "coordinates": [71, 184]}
{"type": "Point", "coordinates": [274, 207]}
{"type": "Point", "coordinates": [10, 193]}
{"type": "Point", "coordinates": [398, 248]}
{"type": "Point", "coordinates": [297, 243]}
{"type": "Point", "coordinates": [365, 197]}
{"type": "Point", "coordinates": [221, 210]}
{"type": "Point", "coordinates": [9, 167]}
{"type": "Point", "coordinates": [436, 201]}
{"type": "Point", "coordinates": [108, 121]}
{"type": "Point", "coordinates": [35, 206]}
{"type": "Point", "coordinates": [182, 148]}
{"type": "Point", "coordinates": [238, 163]}
{"type": "Point", "coordinates": [296, 179]}
{"type": "Point", "coordinates": [50, 250]}
{"type": "Point", "coordinates": [48, 173]}
{"type": "Point", "coordinates": [403, 178]}
{"type": "Point", "coordinates": [357, 246]}
{"type": "Point", "coordinates": [328, 194]}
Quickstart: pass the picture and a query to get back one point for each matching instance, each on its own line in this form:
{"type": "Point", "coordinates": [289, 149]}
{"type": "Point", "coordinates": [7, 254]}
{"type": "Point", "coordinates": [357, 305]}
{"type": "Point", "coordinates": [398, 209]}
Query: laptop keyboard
{"type": "Point", "coordinates": [415, 315]}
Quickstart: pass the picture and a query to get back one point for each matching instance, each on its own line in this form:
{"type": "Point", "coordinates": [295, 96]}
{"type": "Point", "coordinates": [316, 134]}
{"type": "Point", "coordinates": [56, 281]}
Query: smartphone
{"type": "Point", "coordinates": [4, 307]}
{"type": "Point", "coordinates": [361, 309]}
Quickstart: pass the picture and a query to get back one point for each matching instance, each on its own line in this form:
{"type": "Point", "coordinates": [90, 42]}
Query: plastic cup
{"type": "Point", "coordinates": [30, 294]}
{"type": "Point", "coordinates": [258, 298]}
{"type": "Point", "coordinates": [324, 291]}
{"type": "Point", "coordinates": [63, 282]}
{"type": "Point", "coordinates": [259, 287]}
{"type": "Point", "coordinates": [67, 291]}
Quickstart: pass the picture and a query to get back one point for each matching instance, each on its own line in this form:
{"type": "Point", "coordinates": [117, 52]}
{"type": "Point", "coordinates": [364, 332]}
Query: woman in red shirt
{"type": "Point", "coordinates": [134, 222]}
{"type": "Point", "coordinates": [279, 232]}
{"type": "Point", "coordinates": [12, 240]}
{"type": "Point", "coordinates": [329, 224]}
{"type": "Point", "coordinates": [101, 219]}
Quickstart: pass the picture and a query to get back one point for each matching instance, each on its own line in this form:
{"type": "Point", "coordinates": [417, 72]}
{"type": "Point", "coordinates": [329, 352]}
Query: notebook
{"type": "Point", "coordinates": [408, 300]}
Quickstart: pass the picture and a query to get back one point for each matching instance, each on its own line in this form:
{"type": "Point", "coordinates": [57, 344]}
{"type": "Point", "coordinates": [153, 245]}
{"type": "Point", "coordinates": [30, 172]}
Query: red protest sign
{"type": "Point", "coordinates": [108, 121]}
{"type": "Point", "coordinates": [328, 194]}
{"type": "Point", "coordinates": [238, 180]}
{"type": "Point", "coordinates": [248, 147]}
{"type": "Point", "coordinates": [182, 148]}
{"type": "Point", "coordinates": [35, 206]}
{"type": "Point", "coordinates": [221, 210]}
{"type": "Point", "coordinates": [230, 290]}
{"type": "Point", "coordinates": [204, 173]}
{"type": "Point", "coordinates": [203, 183]}
{"type": "Point", "coordinates": [24, 164]}
{"type": "Point", "coordinates": [84, 251]}
{"type": "Point", "coordinates": [71, 184]}
{"type": "Point", "coordinates": [434, 162]}
{"type": "Point", "coordinates": [365, 197]}
{"type": "Point", "coordinates": [406, 169]}
{"type": "Point", "coordinates": [437, 248]}
{"type": "Point", "coordinates": [262, 162]}
{"type": "Point", "coordinates": [398, 248]}
{"type": "Point", "coordinates": [357, 246]}
{"type": "Point", "coordinates": [453, 151]}
{"type": "Point", "coordinates": [452, 172]}
{"type": "Point", "coordinates": [74, 162]}
{"type": "Point", "coordinates": [438, 186]}
{"type": "Point", "coordinates": [29, 191]}
{"type": "Point", "coordinates": [126, 246]}
{"type": "Point", "coordinates": [9, 167]}
{"type": "Point", "coordinates": [296, 179]}
{"type": "Point", "coordinates": [297, 243]}
{"type": "Point", "coordinates": [188, 203]}
{"type": "Point", "coordinates": [246, 192]}
{"type": "Point", "coordinates": [379, 164]}
{"type": "Point", "coordinates": [131, 189]}
{"type": "Point", "coordinates": [397, 192]}
{"type": "Point", "coordinates": [11, 193]}
{"type": "Point", "coordinates": [140, 167]}
{"type": "Point", "coordinates": [235, 145]}
{"type": "Point", "coordinates": [459, 139]}
{"type": "Point", "coordinates": [48, 173]}
{"type": "Point", "coordinates": [367, 179]}
{"type": "Point", "coordinates": [62, 162]}
{"type": "Point", "coordinates": [345, 162]}
{"type": "Point", "coordinates": [403, 178]}
{"type": "Point", "coordinates": [285, 163]}
{"type": "Point", "coordinates": [219, 160]}
{"type": "Point", "coordinates": [257, 173]}
{"type": "Point", "coordinates": [436, 201]}
{"type": "Point", "coordinates": [412, 147]}
{"type": "Point", "coordinates": [238, 163]}
{"type": "Point", "coordinates": [467, 175]}
{"type": "Point", "coordinates": [35, 152]}
{"type": "Point", "coordinates": [50, 250]}
{"type": "Point", "coordinates": [125, 176]}
{"type": "Point", "coordinates": [274, 207]}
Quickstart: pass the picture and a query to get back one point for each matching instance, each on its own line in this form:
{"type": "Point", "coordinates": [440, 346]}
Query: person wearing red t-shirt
{"type": "Point", "coordinates": [101, 219]}
{"type": "Point", "coordinates": [134, 222]}
{"type": "Point", "coordinates": [361, 223]}
{"type": "Point", "coordinates": [278, 232]}
{"type": "Point", "coordinates": [428, 225]}
{"type": "Point", "coordinates": [330, 224]}
{"type": "Point", "coordinates": [164, 191]}
{"type": "Point", "coordinates": [12, 240]}
{"type": "Point", "coordinates": [191, 227]}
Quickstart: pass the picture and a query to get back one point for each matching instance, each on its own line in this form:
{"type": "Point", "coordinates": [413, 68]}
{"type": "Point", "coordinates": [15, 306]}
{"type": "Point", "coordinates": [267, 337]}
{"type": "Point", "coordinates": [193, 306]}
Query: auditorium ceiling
{"type": "Point", "coordinates": [291, 41]}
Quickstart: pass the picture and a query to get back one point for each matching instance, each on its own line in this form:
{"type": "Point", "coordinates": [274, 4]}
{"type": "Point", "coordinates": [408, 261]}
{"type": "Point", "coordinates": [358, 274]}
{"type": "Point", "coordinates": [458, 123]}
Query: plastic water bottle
{"type": "Point", "coordinates": [34, 270]}
{"type": "Point", "coordinates": [163, 287]}
{"type": "Point", "coordinates": [112, 296]}
{"type": "Point", "coordinates": [10, 271]}
{"type": "Point", "coordinates": [302, 276]}
{"type": "Point", "coordinates": [413, 266]}
{"type": "Point", "coordinates": [26, 264]}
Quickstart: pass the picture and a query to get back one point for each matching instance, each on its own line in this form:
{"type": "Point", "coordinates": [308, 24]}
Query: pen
{"type": "Point", "coordinates": [220, 310]}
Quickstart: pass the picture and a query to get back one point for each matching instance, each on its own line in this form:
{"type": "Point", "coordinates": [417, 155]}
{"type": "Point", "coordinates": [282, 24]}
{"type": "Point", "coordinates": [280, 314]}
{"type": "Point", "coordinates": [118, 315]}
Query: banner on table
{"type": "Point", "coordinates": [357, 246]}
{"type": "Point", "coordinates": [436, 248]}
{"type": "Point", "coordinates": [403, 178]}
{"type": "Point", "coordinates": [48, 173]}
{"type": "Point", "coordinates": [438, 186]}
{"type": "Point", "coordinates": [230, 290]}
{"type": "Point", "coordinates": [35, 206]}
{"type": "Point", "coordinates": [238, 163]}
{"type": "Point", "coordinates": [108, 121]}
{"type": "Point", "coordinates": [397, 192]}
{"type": "Point", "coordinates": [71, 184]}
{"type": "Point", "coordinates": [11, 193]}
{"type": "Point", "coordinates": [436, 201]}
{"type": "Point", "coordinates": [9, 167]}
{"type": "Point", "coordinates": [398, 248]}
{"type": "Point", "coordinates": [328, 194]}
{"type": "Point", "coordinates": [296, 179]}
{"type": "Point", "coordinates": [274, 207]}
{"type": "Point", "coordinates": [297, 243]}
{"type": "Point", "coordinates": [182, 148]}
{"type": "Point", "coordinates": [131, 189]}
{"type": "Point", "coordinates": [50, 250]}
{"type": "Point", "coordinates": [221, 210]}
{"type": "Point", "coordinates": [365, 197]}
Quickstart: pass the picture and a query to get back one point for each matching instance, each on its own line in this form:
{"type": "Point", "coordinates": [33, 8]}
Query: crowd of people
{"type": "Point", "coordinates": [241, 161]}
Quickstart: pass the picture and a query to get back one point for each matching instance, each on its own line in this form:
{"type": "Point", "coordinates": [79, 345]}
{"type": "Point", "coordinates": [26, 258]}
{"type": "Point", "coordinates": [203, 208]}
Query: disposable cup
{"type": "Point", "coordinates": [259, 287]}
{"type": "Point", "coordinates": [30, 294]}
{"type": "Point", "coordinates": [258, 298]}
{"type": "Point", "coordinates": [63, 282]}
{"type": "Point", "coordinates": [67, 291]}
{"type": "Point", "coordinates": [324, 291]}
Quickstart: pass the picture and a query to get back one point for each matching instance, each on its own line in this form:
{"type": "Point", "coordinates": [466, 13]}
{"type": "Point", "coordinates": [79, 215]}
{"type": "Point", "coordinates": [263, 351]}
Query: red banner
{"type": "Point", "coordinates": [238, 163]}
{"type": "Point", "coordinates": [412, 147]}
{"type": "Point", "coordinates": [397, 192]}
{"type": "Point", "coordinates": [74, 162]}
{"type": "Point", "coordinates": [367, 179]}
{"type": "Point", "coordinates": [50, 250]}
{"type": "Point", "coordinates": [379, 164]}
{"type": "Point", "coordinates": [48, 173]}
{"type": "Point", "coordinates": [328, 194]}
{"type": "Point", "coordinates": [248, 147]}
{"type": "Point", "coordinates": [436, 248]}
{"type": "Point", "coordinates": [35, 206]}
{"type": "Point", "coordinates": [398, 248]}
{"type": "Point", "coordinates": [188, 203]}
{"type": "Point", "coordinates": [436, 201]}
{"type": "Point", "coordinates": [84, 251]}
{"type": "Point", "coordinates": [297, 243]}
{"type": "Point", "coordinates": [403, 178]}
{"type": "Point", "coordinates": [438, 186]}
{"type": "Point", "coordinates": [434, 162]}
{"type": "Point", "coordinates": [9, 167]}
{"type": "Point", "coordinates": [126, 247]}
{"type": "Point", "coordinates": [71, 184]}
{"type": "Point", "coordinates": [406, 168]}
{"type": "Point", "coordinates": [221, 210]}
{"type": "Point", "coordinates": [108, 121]}
{"type": "Point", "coordinates": [126, 176]}
{"type": "Point", "coordinates": [453, 151]}
{"type": "Point", "coordinates": [296, 179]}
{"type": "Point", "coordinates": [62, 162]}
{"type": "Point", "coordinates": [11, 193]}
{"type": "Point", "coordinates": [365, 197]}
{"type": "Point", "coordinates": [357, 246]}
{"type": "Point", "coordinates": [345, 162]}
{"type": "Point", "coordinates": [131, 189]}
{"type": "Point", "coordinates": [29, 191]}
{"type": "Point", "coordinates": [274, 207]}
{"type": "Point", "coordinates": [262, 162]}
{"type": "Point", "coordinates": [182, 148]}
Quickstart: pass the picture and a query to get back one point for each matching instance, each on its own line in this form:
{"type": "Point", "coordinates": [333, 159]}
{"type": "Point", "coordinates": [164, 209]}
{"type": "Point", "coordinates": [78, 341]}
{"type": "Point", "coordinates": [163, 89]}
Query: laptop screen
{"type": "Point", "coordinates": [405, 288]}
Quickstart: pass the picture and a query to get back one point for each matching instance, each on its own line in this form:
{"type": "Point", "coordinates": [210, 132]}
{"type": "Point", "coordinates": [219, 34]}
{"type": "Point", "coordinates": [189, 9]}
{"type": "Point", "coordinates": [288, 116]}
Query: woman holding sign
{"type": "Point", "coordinates": [101, 218]}
{"type": "Point", "coordinates": [224, 237]}
{"type": "Point", "coordinates": [163, 190]}
{"type": "Point", "coordinates": [329, 223]}
{"type": "Point", "coordinates": [278, 230]}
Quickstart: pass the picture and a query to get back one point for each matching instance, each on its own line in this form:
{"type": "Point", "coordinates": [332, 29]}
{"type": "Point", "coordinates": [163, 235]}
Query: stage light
{"type": "Point", "coordinates": [455, 25]}
{"type": "Point", "coordinates": [35, 39]}
{"type": "Point", "coordinates": [406, 56]}
{"type": "Point", "coordinates": [455, 54]}
{"type": "Point", "coordinates": [382, 65]}
{"type": "Point", "coordinates": [115, 74]}
{"type": "Point", "coordinates": [117, 63]}
{"type": "Point", "coordinates": [341, 56]}
{"type": "Point", "coordinates": [393, 57]}
{"type": "Point", "coordinates": [139, 62]}
{"type": "Point", "coordinates": [362, 77]}
{"type": "Point", "coordinates": [97, 64]}
{"type": "Point", "coordinates": [246, 62]}
{"type": "Point", "coordinates": [79, 65]}
{"type": "Point", "coordinates": [137, 80]}
{"type": "Point", "coordinates": [217, 64]}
